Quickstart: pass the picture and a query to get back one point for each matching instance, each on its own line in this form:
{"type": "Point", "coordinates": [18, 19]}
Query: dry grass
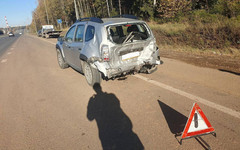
{"type": "Point", "coordinates": [220, 38]}
{"type": "Point", "coordinates": [231, 52]}
{"type": "Point", "coordinates": [170, 29]}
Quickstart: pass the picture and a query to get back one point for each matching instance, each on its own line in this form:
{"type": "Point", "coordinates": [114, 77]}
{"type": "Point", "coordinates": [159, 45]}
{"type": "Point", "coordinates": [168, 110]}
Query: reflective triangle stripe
{"type": "Point", "coordinates": [197, 123]}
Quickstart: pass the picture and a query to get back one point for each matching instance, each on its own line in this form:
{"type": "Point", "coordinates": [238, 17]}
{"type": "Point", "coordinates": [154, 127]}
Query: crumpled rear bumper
{"type": "Point", "coordinates": [108, 72]}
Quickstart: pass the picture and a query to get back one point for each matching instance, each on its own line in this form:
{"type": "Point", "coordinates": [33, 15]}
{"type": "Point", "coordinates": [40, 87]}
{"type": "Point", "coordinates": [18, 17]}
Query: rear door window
{"type": "Point", "coordinates": [79, 33]}
{"type": "Point", "coordinates": [89, 33]}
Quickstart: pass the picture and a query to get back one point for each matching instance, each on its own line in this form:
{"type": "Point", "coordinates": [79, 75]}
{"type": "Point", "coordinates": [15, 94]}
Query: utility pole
{"type": "Point", "coordinates": [76, 10]}
{"type": "Point", "coordinates": [154, 2]}
{"type": "Point", "coordinates": [46, 10]}
{"type": "Point", "coordinates": [108, 8]}
{"type": "Point", "coordinates": [35, 23]}
{"type": "Point", "coordinates": [120, 11]}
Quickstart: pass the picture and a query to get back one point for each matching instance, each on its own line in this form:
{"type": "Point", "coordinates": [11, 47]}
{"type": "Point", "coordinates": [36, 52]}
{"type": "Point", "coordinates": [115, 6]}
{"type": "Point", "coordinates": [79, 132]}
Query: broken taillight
{"type": "Point", "coordinates": [128, 25]}
{"type": "Point", "coordinates": [105, 53]}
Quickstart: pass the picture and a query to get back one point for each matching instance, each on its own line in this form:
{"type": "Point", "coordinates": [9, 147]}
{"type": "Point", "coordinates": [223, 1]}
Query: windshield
{"type": "Point", "coordinates": [126, 33]}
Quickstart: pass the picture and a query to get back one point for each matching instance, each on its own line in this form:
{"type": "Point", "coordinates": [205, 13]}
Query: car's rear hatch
{"type": "Point", "coordinates": [133, 46]}
{"type": "Point", "coordinates": [130, 55]}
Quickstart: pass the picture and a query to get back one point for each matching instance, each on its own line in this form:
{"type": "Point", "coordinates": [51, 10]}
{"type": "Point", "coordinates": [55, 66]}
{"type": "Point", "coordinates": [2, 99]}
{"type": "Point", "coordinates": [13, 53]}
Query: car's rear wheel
{"type": "Point", "coordinates": [92, 75]}
{"type": "Point", "coordinates": [61, 61]}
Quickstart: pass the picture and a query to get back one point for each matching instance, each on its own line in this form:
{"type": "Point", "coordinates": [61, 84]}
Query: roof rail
{"type": "Point", "coordinates": [93, 19]}
{"type": "Point", "coordinates": [125, 16]}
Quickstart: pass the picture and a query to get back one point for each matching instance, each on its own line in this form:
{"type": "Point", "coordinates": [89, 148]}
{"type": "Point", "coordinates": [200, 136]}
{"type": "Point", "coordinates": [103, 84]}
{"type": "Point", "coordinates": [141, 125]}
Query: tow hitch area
{"type": "Point", "coordinates": [148, 69]}
{"type": "Point", "coordinates": [153, 69]}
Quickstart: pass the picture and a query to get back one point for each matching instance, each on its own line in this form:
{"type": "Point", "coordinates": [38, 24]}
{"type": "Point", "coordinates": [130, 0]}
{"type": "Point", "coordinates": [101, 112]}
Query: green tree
{"type": "Point", "coordinates": [144, 9]}
{"type": "Point", "coordinates": [230, 8]}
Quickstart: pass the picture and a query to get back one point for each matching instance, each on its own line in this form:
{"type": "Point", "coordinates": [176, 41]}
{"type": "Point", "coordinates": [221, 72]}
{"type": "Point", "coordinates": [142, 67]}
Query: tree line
{"type": "Point", "coordinates": [48, 11]}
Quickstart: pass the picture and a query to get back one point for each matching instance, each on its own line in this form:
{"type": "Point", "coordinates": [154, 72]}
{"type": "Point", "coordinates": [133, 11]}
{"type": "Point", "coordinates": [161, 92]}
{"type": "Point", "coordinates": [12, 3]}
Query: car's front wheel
{"type": "Point", "coordinates": [92, 75]}
{"type": "Point", "coordinates": [61, 61]}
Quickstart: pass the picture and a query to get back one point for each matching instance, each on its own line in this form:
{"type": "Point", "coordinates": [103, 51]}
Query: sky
{"type": "Point", "coordinates": [18, 12]}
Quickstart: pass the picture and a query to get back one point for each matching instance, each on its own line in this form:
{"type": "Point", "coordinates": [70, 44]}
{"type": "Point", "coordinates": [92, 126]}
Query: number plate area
{"type": "Point", "coordinates": [130, 56]}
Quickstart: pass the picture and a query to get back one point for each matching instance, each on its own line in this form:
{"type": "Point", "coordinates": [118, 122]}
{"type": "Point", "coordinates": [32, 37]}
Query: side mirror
{"type": "Point", "coordinates": [69, 40]}
{"type": "Point", "coordinates": [60, 39]}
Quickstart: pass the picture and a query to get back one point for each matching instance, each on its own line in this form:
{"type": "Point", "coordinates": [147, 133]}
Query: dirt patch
{"type": "Point", "coordinates": [220, 62]}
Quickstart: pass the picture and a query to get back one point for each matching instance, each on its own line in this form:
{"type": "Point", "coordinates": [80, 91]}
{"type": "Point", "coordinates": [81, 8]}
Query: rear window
{"type": "Point", "coordinates": [128, 33]}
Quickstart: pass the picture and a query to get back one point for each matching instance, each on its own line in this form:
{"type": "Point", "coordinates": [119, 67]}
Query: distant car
{"type": "Point", "coordinates": [10, 34]}
{"type": "Point", "coordinates": [20, 33]}
{"type": "Point", "coordinates": [39, 34]}
{"type": "Point", "coordinates": [108, 48]}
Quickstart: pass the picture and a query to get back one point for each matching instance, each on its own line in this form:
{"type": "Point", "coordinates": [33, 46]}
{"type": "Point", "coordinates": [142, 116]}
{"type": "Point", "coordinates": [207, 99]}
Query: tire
{"type": "Point", "coordinates": [92, 75]}
{"type": "Point", "coordinates": [61, 62]}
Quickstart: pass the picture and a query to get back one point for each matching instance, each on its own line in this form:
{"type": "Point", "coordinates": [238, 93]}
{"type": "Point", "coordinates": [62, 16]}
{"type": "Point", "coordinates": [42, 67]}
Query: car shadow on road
{"type": "Point", "coordinates": [176, 122]}
{"type": "Point", "coordinates": [114, 126]}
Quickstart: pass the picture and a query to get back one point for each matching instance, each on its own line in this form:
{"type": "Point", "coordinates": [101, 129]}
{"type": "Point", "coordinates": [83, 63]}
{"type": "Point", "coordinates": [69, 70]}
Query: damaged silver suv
{"type": "Point", "coordinates": [108, 48]}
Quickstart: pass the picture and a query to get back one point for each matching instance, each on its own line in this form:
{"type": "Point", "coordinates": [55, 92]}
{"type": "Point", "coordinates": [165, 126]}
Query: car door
{"type": "Point", "coordinates": [67, 45]}
{"type": "Point", "coordinates": [78, 45]}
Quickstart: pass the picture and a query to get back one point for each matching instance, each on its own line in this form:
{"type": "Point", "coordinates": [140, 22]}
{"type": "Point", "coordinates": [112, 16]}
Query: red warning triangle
{"type": "Point", "coordinates": [197, 123]}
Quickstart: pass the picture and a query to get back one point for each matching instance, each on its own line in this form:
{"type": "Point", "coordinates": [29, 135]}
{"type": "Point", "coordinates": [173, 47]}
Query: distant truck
{"type": "Point", "coordinates": [48, 31]}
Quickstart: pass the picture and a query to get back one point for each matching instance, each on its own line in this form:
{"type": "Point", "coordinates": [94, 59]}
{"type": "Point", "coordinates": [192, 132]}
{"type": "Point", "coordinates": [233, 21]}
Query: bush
{"type": "Point", "coordinates": [228, 8]}
{"type": "Point", "coordinates": [201, 30]}
{"type": "Point", "coordinates": [202, 16]}
{"type": "Point", "coordinates": [214, 31]}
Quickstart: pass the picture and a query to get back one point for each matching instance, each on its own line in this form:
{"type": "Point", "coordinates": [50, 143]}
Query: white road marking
{"type": "Point", "coordinates": [221, 108]}
{"type": "Point", "coordinates": [4, 60]}
{"type": "Point", "coordinates": [9, 53]}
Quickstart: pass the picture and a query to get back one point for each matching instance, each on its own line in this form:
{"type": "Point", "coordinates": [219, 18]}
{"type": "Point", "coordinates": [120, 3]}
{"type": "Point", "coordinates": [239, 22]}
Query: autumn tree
{"type": "Point", "coordinates": [170, 8]}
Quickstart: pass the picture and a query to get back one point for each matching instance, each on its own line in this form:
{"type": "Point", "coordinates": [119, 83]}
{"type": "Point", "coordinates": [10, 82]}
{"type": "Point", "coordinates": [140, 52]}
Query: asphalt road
{"type": "Point", "coordinates": [45, 107]}
{"type": "Point", "coordinates": [6, 41]}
